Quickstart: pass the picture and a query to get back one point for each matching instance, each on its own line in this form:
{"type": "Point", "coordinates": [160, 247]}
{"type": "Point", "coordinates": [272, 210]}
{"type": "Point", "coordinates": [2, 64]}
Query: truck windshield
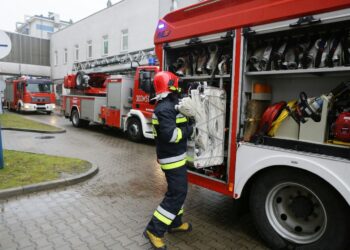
{"type": "Point", "coordinates": [39, 87]}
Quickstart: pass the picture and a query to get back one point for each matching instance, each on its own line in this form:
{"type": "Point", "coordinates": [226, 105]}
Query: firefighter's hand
{"type": "Point", "coordinates": [186, 107]}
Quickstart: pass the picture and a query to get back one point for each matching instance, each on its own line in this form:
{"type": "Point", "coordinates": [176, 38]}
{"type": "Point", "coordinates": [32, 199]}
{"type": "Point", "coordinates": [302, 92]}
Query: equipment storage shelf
{"type": "Point", "coordinates": [296, 88]}
{"type": "Point", "coordinates": [345, 70]}
{"type": "Point", "coordinates": [204, 77]}
{"type": "Point", "coordinates": [204, 65]}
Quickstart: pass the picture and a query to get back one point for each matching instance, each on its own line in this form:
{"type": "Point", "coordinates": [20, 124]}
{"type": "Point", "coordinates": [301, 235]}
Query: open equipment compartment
{"type": "Point", "coordinates": [204, 65]}
{"type": "Point", "coordinates": [296, 89]}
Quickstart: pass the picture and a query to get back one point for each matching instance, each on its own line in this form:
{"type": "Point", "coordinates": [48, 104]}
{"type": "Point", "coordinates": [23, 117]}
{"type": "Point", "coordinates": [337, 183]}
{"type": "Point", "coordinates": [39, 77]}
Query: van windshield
{"type": "Point", "coordinates": [39, 87]}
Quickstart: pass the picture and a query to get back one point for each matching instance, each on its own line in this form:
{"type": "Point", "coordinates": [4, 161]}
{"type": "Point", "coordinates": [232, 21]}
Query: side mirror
{"type": "Point", "coordinates": [145, 81]}
{"type": "Point", "coordinates": [146, 75]}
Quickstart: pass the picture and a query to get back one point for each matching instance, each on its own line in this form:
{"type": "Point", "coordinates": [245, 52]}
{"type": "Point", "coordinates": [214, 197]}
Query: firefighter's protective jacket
{"type": "Point", "coordinates": [171, 131]}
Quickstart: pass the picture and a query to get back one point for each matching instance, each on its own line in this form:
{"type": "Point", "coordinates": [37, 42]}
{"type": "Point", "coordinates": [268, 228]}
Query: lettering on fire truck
{"type": "Point", "coordinates": [142, 98]}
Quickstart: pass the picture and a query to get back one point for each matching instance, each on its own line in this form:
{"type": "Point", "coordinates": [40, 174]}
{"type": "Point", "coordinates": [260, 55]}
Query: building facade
{"type": "Point", "coordinates": [41, 26]}
{"type": "Point", "coordinates": [23, 55]}
{"type": "Point", "coordinates": [111, 38]}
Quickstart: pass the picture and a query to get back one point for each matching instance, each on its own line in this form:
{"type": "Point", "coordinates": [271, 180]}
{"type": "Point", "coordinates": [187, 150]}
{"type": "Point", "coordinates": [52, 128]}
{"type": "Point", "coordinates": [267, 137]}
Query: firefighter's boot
{"type": "Point", "coordinates": [185, 227]}
{"type": "Point", "coordinates": [156, 242]}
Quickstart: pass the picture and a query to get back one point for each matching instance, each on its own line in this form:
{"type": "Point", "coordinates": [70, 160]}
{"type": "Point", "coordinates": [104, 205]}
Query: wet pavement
{"type": "Point", "coordinates": [111, 210]}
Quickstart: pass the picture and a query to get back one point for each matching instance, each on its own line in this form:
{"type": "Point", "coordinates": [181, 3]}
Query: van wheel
{"type": "Point", "coordinates": [134, 129]}
{"type": "Point", "coordinates": [295, 209]}
{"type": "Point", "coordinates": [76, 121]}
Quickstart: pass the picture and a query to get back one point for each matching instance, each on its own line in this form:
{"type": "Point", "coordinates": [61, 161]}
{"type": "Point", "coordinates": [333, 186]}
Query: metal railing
{"type": "Point", "coordinates": [117, 63]}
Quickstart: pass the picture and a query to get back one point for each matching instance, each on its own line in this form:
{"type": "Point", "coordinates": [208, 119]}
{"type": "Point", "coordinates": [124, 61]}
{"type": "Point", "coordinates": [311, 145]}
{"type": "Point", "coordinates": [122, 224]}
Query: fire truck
{"type": "Point", "coordinates": [28, 94]}
{"type": "Point", "coordinates": [276, 74]}
{"type": "Point", "coordinates": [117, 101]}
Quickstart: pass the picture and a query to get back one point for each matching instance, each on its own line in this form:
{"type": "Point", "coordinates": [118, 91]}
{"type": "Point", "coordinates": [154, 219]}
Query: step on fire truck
{"type": "Point", "coordinates": [117, 101]}
{"type": "Point", "coordinates": [269, 83]}
{"type": "Point", "coordinates": [26, 94]}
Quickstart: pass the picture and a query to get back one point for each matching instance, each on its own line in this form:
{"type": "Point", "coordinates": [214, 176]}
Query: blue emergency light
{"type": "Point", "coordinates": [161, 26]}
{"type": "Point", "coordinates": [151, 61]}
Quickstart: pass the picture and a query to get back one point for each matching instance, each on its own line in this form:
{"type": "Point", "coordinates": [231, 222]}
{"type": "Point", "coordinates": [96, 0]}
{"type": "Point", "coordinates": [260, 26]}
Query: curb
{"type": "Point", "coordinates": [36, 131]}
{"type": "Point", "coordinates": [10, 192]}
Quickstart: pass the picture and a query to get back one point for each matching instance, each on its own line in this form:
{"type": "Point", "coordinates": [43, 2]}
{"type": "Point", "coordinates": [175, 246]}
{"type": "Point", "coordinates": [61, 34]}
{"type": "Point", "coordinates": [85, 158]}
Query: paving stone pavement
{"type": "Point", "coordinates": [111, 210]}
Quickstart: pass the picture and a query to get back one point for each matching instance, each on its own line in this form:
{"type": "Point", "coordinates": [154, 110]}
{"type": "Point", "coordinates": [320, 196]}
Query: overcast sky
{"type": "Point", "coordinates": [12, 11]}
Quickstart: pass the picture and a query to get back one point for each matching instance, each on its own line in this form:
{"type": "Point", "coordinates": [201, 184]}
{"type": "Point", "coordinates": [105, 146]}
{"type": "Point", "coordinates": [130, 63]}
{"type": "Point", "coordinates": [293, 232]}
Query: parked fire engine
{"type": "Point", "coordinates": [29, 94]}
{"type": "Point", "coordinates": [268, 81]}
{"type": "Point", "coordinates": [118, 101]}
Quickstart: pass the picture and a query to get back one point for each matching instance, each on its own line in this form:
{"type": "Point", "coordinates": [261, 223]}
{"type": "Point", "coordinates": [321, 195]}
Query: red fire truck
{"type": "Point", "coordinates": [118, 101]}
{"type": "Point", "coordinates": [29, 94]}
{"type": "Point", "coordinates": [280, 72]}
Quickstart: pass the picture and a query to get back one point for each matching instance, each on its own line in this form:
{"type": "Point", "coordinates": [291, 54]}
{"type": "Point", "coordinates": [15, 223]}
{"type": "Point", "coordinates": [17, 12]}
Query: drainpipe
{"type": "Point", "coordinates": [173, 5]}
{"type": "Point", "coordinates": [1, 153]}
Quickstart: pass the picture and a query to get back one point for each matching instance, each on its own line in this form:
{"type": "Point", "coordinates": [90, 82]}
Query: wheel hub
{"type": "Point", "coordinates": [302, 207]}
{"type": "Point", "coordinates": [134, 129]}
{"type": "Point", "coordinates": [296, 213]}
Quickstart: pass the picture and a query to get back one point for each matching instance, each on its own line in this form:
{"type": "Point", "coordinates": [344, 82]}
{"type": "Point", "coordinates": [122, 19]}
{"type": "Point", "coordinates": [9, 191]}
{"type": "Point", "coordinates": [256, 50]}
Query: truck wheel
{"type": "Point", "coordinates": [295, 209]}
{"type": "Point", "coordinates": [48, 112]}
{"type": "Point", "coordinates": [19, 108]}
{"type": "Point", "coordinates": [134, 129]}
{"type": "Point", "coordinates": [76, 121]}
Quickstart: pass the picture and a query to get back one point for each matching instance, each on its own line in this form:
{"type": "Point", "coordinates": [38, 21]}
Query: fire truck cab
{"type": "Point", "coordinates": [277, 75]}
{"type": "Point", "coordinates": [27, 94]}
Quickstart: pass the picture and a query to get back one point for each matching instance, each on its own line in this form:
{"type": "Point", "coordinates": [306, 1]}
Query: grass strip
{"type": "Point", "coordinates": [27, 168]}
{"type": "Point", "coordinates": [15, 121]}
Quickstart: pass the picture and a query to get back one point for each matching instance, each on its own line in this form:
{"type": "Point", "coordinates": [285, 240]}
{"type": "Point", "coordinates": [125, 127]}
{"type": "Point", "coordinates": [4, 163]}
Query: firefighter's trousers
{"type": "Point", "coordinates": [169, 212]}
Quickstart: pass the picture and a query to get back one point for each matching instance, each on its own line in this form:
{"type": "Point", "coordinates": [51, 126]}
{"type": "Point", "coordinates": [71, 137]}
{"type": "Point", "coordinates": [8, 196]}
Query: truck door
{"type": "Point", "coordinates": [144, 91]}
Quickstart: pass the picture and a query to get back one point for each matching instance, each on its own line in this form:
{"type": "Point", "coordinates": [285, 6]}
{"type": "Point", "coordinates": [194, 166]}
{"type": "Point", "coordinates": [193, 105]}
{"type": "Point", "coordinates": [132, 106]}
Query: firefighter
{"type": "Point", "coordinates": [171, 131]}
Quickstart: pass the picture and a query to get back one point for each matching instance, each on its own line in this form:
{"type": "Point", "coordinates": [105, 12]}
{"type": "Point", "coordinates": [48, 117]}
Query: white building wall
{"type": "Point", "coordinates": [167, 5]}
{"type": "Point", "coordinates": [139, 17]}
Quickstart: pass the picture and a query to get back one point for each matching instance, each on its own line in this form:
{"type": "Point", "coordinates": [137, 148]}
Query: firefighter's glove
{"type": "Point", "coordinates": [186, 107]}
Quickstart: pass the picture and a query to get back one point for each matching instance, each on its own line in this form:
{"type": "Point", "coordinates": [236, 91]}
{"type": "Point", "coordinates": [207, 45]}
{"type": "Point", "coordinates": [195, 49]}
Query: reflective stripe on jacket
{"type": "Point", "coordinates": [171, 131]}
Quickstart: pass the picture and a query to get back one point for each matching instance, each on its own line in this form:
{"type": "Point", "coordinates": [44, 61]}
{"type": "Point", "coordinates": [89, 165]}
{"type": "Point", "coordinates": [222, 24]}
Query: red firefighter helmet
{"type": "Point", "coordinates": [164, 83]}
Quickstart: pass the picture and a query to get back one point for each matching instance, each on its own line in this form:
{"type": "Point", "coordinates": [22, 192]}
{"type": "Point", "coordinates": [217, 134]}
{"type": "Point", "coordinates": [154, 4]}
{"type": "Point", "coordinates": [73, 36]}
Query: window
{"type": "Point", "coordinates": [65, 56]}
{"type": "Point", "coordinates": [124, 40]}
{"type": "Point", "coordinates": [89, 49]}
{"type": "Point", "coordinates": [39, 87]}
{"type": "Point", "coordinates": [56, 58]}
{"type": "Point", "coordinates": [76, 52]}
{"type": "Point", "coordinates": [105, 46]}
{"type": "Point", "coordinates": [44, 27]}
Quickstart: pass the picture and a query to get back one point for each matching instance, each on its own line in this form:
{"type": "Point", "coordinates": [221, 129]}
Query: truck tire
{"type": "Point", "coordinates": [134, 129]}
{"type": "Point", "coordinates": [76, 121]}
{"type": "Point", "coordinates": [19, 108]}
{"type": "Point", "coordinates": [294, 209]}
{"type": "Point", "coordinates": [79, 80]}
{"type": "Point", "coordinates": [48, 112]}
